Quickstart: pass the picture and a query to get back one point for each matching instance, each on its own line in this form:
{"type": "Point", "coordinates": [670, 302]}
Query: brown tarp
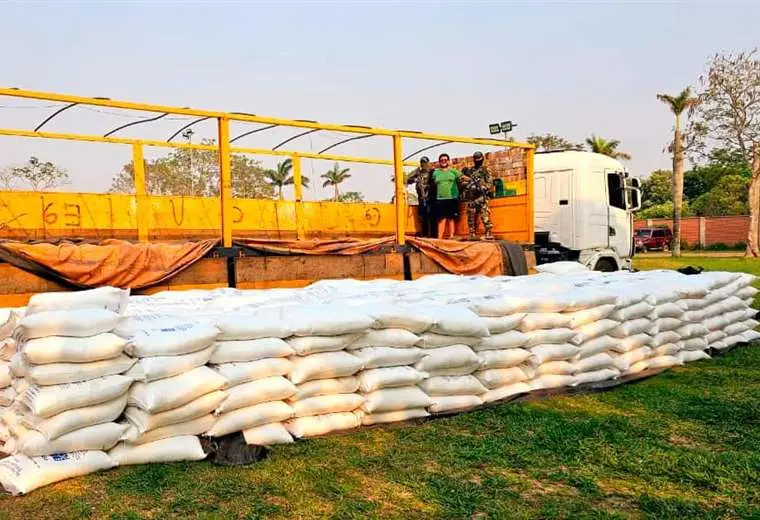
{"type": "Point", "coordinates": [111, 262]}
{"type": "Point", "coordinates": [338, 246]}
{"type": "Point", "coordinates": [466, 258]}
{"type": "Point", "coordinates": [139, 265]}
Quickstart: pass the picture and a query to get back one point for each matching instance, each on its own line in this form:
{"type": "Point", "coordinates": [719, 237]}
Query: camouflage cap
{"type": "Point", "coordinates": [477, 155]}
{"type": "Point", "coordinates": [424, 159]}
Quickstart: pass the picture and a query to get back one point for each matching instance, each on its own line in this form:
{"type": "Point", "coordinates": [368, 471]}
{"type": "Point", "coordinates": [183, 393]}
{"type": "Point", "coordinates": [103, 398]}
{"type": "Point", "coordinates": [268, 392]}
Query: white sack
{"type": "Point", "coordinates": [451, 321]}
{"type": "Point", "coordinates": [7, 348]}
{"type": "Point", "coordinates": [323, 366]}
{"type": "Point", "coordinates": [502, 392]}
{"type": "Point", "coordinates": [7, 396]}
{"type": "Point", "coordinates": [497, 377]}
{"type": "Point", "coordinates": [631, 328]}
{"type": "Point", "coordinates": [322, 320]}
{"type": "Point", "coordinates": [668, 349]}
{"type": "Point", "coordinates": [698, 343]}
{"type": "Point", "coordinates": [452, 385]}
{"type": "Point", "coordinates": [389, 377]}
{"type": "Point", "coordinates": [341, 385]}
{"type": "Point", "coordinates": [241, 351]}
{"type": "Point", "coordinates": [751, 336]}
{"type": "Point", "coordinates": [160, 367]}
{"type": "Point", "coordinates": [593, 330]}
{"type": "Point", "coordinates": [666, 310]}
{"type": "Point", "coordinates": [453, 403]}
{"type": "Point", "coordinates": [543, 353]}
{"type": "Point", "coordinates": [250, 417]}
{"type": "Point", "coordinates": [307, 345]}
{"type": "Point", "coordinates": [46, 401]}
{"type": "Point", "coordinates": [144, 421]}
{"type": "Point", "coordinates": [322, 424]}
{"type": "Point", "coordinates": [598, 346]}
{"type": "Point", "coordinates": [663, 338]}
{"type": "Point", "coordinates": [593, 363]}
{"type": "Point", "coordinates": [5, 375]}
{"type": "Point", "coordinates": [746, 292]}
{"type": "Point", "coordinates": [664, 362]}
{"type": "Point", "coordinates": [687, 356]}
{"type": "Point", "coordinates": [692, 330]}
{"type": "Point", "coordinates": [392, 399]}
{"type": "Point", "coordinates": [413, 319]}
{"type": "Point", "coordinates": [433, 340]}
{"type": "Point", "coordinates": [77, 323]}
{"type": "Point", "coordinates": [237, 373]}
{"type": "Point", "coordinates": [623, 362]}
{"type": "Point", "coordinates": [562, 267]}
{"type": "Point", "coordinates": [195, 426]}
{"type": "Point", "coordinates": [632, 312]}
{"type": "Point", "coordinates": [546, 320]}
{"type": "Point", "coordinates": [505, 340]}
{"type": "Point", "coordinates": [76, 419]}
{"type": "Point", "coordinates": [245, 326]}
{"type": "Point", "coordinates": [172, 392]}
{"type": "Point", "coordinates": [596, 376]}
{"type": "Point", "coordinates": [275, 388]}
{"type": "Point", "coordinates": [61, 373]}
{"type": "Point", "coordinates": [108, 298]}
{"type": "Point", "coordinates": [267, 435]}
{"type": "Point", "coordinates": [398, 338]}
{"type": "Point", "coordinates": [503, 358]}
{"type": "Point", "coordinates": [555, 367]}
{"type": "Point", "coordinates": [98, 437]}
{"type": "Point", "coordinates": [501, 324]}
{"type": "Point", "coordinates": [325, 404]}
{"type": "Point", "coordinates": [586, 316]}
{"type": "Point", "coordinates": [460, 359]}
{"type": "Point", "coordinates": [369, 419]}
{"type": "Point", "coordinates": [379, 357]}
{"type": "Point", "coordinates": [554, 336]}
{"type": "Point", "coordinates": [172, 341]}
{"type": "Point", "coordinates": [663, 325]}
{"type": "Point", "coordinates": [174, 449]}
{"type": "Point", "coordinates": [17, 365]}
{"type": "Point", "coordinates": [61, 349]}
{"type": "Point", "coordinates": [551, 381]}
{"type": "Point", "coordinates": [21, 474]}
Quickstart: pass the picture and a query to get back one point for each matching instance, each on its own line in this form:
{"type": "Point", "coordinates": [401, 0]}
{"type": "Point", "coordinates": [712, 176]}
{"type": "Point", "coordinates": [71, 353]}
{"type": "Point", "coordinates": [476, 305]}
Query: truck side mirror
{"type": "Point", "coordinates": [635, 194]}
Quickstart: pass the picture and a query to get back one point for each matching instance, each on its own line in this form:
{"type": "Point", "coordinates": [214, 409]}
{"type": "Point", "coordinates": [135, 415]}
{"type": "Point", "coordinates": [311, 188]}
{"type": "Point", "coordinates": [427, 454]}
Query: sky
{"type": "Point", "coordinates": [569, 68]}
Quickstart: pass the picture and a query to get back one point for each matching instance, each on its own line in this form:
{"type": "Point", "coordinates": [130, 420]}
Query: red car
{"type": "Point", "coordinates": [648, 239]}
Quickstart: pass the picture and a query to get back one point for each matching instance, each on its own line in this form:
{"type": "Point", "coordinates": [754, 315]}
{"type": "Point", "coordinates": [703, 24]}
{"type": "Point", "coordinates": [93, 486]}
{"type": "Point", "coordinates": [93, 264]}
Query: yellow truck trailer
{"type": "Point", "coordinates": [64, 241]}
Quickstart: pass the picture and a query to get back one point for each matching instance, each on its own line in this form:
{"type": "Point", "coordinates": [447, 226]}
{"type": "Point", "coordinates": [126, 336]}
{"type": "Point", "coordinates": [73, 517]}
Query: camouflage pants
{"type": "Point", "coordinates": [478, 208]}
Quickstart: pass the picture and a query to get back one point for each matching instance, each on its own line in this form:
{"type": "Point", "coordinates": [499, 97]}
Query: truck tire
{"type": "Point", "coordinates": [606, 265]}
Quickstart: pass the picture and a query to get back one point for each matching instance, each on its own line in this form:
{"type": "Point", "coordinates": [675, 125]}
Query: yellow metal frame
{"type": "Point", "coordinates": [225, 150]}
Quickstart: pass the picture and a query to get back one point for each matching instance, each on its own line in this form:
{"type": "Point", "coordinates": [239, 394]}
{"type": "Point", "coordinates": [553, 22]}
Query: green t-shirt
{"type": "Point", "coordinates": [446, 183]}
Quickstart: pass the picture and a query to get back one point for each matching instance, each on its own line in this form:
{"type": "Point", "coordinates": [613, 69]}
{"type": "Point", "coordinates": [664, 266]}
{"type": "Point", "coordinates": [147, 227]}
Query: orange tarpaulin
{"type": "Point", "coordinates": [111, 262]}
{"type": "Point", "coordinates": [338, 246]}
{"type": "Point", "coordinates": [467, 258]}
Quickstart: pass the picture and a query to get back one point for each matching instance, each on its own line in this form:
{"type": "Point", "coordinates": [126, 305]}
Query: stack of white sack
{"type": "Point", "coordinates": [727, 312]}
{"type": "Point", "coordinates": [174, 394]}
{"type": "Point", "coordinates": [388, 382]}
{"type": "Point", "coordinates": [72, 367]}
{"type": "Point", "coordinates": [322, 370]}
{"type": "Point", "coordinates": [251, 354]}
{"type": "Point", "coordinates": [448, 360]}
{"type": "Point", "coordinates": [8, 320]}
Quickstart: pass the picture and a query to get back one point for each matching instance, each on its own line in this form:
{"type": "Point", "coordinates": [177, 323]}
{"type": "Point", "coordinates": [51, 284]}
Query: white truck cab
{"type": "Point", "coordinates": [584, 204]}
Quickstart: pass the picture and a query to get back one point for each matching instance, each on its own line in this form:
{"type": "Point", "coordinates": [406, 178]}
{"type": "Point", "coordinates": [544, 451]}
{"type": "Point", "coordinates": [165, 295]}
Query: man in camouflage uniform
{"type": "Point", "coordinates": [420, 177]}
{"type": "Point", "coordinates": [477, 193]}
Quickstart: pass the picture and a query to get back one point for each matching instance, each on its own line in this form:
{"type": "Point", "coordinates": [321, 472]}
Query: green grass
{"type": "Point", "coordinates": [682, 445]}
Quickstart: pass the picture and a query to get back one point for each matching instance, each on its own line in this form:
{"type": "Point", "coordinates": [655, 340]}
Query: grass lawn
{"type": "Point", "coordinates": [684, 444]}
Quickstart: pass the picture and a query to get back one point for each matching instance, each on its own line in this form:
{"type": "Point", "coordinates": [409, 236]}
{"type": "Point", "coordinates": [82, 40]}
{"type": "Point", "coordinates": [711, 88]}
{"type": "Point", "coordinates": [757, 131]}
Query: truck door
{"type": "Point", "coordinates": [563, 197]}
{"type": "Point", "coordinates": [554, 205]}
{"type": "Point", "coordinates": [619, 221]}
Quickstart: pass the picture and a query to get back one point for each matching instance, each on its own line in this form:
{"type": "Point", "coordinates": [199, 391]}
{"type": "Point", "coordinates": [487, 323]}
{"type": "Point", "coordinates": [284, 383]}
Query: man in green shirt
{"type": "Point", "coordinates": [446, 184]}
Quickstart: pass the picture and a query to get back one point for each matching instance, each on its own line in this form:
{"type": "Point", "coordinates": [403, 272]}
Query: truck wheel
{"type": "Point", "coordinates": [606, 265]}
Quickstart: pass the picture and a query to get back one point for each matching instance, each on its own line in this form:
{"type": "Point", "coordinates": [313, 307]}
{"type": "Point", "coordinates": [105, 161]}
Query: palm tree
{"type": "Point", "coordinates": [281, 177]}
{"type": "Point", "coordinates": [605, 147]}
{"type": "Point", "coordinates": [334, 177]}
{"type": "Point", "coordinates": [677, 105]}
